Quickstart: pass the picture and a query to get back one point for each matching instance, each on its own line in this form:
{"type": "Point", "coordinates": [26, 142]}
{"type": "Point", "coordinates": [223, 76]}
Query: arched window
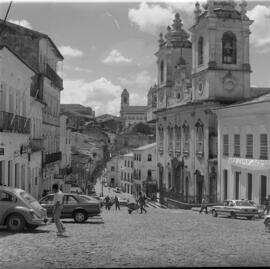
{"type": "Point", "coordinates": [161, 72]}
{"type": "Point", "coordinates": [200, 51]}
{"type": "Point", "coordinates": [186, 136]}
{"type": "Point", "coordinates": [229, 48]}
{"type": "Point", "coordinates": [199, 138]}
{"type": "Point", "coordinates": [149, 158]}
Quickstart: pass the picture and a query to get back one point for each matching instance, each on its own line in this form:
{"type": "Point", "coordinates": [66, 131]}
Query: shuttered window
{"type": "Point", "coordinates": [249, 146]}
{"type": "Point", "coordinates": [263, 147]}
{"type": "Point", "coordinates": [225, 145]}
{"type": "Point", "coordinates": [237, 145]}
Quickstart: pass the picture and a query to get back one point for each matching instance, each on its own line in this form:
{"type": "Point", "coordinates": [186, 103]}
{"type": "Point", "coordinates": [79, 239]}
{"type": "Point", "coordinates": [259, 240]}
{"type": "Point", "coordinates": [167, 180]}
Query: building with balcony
{"type": "Point", "coordinates": [39, 51]}
{"type": "Point", "coordinates": [36, 148]}
{"type": "Point", "coordinates": [15, 110]}
{"type": "Point", "coordinates": [145, 169]}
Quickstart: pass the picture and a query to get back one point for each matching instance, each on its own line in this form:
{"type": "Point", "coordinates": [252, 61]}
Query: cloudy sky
{"type": "Point", "coordinates": [110, 46]}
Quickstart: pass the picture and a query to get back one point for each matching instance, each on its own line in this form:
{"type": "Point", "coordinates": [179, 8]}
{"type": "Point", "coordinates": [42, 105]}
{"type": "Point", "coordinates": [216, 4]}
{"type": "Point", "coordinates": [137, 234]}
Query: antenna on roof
{"type": "Point", "coordinates": [7, 12]}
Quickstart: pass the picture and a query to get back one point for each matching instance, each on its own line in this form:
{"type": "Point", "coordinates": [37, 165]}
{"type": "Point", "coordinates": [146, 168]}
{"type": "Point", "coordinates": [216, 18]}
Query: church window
{"type": "Point", "coordinates": [200, 51]}
{"type": "Point", "coordinates": [186, 134]}
{"type": "Point", "coordinates": [177, 138]}
{"type": "Point", "coordinates": [161, 139]}
{"type": "Point", "coordinates": [199, 138]}
{"type": "Point", "coordinates": [229, 48]}
{"type": "Point", "coordinates": [161, 72]}
{"type": "Point", "coordinates": [170, 139]}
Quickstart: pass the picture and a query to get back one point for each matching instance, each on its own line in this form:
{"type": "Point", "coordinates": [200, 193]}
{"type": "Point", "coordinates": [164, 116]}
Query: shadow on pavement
{"type": "Point", "coordinates": [5, 232]}
{"type": "Point", "coordinates": [84, 223]}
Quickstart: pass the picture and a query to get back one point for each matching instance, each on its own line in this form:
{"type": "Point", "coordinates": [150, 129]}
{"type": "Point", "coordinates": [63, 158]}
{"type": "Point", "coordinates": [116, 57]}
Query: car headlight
{"type": "Point", "coordinates": [33, 214]}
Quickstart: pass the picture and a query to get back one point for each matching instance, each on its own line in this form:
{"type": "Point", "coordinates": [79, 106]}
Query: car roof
{"type": "Point", "coordinates": [11, 189]}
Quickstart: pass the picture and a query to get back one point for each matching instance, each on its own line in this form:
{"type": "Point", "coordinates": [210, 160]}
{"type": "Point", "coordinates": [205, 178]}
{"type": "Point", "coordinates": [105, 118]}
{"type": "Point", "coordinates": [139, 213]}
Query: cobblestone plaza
{"type": "Point", "coordinates": [160, 238]}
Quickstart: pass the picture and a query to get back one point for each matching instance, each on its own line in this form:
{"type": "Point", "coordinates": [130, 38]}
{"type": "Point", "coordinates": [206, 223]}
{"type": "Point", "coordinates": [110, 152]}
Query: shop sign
{"type": "Point", "coordinates": [252, 164]}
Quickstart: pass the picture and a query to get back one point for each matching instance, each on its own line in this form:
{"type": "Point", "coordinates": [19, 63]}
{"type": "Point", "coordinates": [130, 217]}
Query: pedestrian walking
{"type": "Point", "coordinates": [204, 205]}
{"type": "Point", "coordinates": [117, 203]}
{"type": "Point", "coordinates": [58, 202]}
{"type": "Point", "coordinates": [141, 202]}
{"type": "Point", "coordinates": [107, 202]}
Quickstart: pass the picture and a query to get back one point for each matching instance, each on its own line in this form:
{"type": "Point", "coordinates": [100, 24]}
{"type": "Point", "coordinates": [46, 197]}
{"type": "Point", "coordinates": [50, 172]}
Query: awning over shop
{"type": "Point", "coordinates": [251, 164]}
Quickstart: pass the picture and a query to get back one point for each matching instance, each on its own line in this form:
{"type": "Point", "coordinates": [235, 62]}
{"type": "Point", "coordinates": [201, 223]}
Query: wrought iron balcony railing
{"type": "Point", "coordinates": [52, 75]}
{"type": "Point", "coordinates": [14, 123]}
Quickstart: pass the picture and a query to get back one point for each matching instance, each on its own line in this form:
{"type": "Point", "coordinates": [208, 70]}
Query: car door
{"type": "Point", "coordinates": [223, 208]}
{"type": "Point", "coordinates": [70, 204]}
{"type": "Point", "coordinates": [7, 201]}
{"type": "Point", "coordinates": [47, 202]}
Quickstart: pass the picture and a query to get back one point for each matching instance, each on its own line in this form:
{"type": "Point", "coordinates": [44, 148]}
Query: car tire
{"type": "Point", "coordinates": [267, 223]}
{"type": "Point", "coordinates": [80, 216]}
{"type": "Point", "coordinates": [233, 216]}
{"type": "Point", "coordinates": [15, 223]}
{"type": "Point", "coordinates": [214, 213]}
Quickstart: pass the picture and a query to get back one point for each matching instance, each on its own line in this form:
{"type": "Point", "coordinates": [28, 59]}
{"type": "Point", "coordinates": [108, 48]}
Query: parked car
{"type": "Point", "coordinates": [19, 210]}
{"type": "Point", "coordinates": [259, 207]}
{"type": "Point", "coordinates": [235, 208]}
{"type": "Point", "coordinates": [92, 198]}
{"type": "Point", "coordinates": [117, 190]}
{"type": "Point", "coordinates": [123, 201]}
{"type": "Point", "coordinates": [75, 207]}
{"type": "Point", "coordinates": [267, 223]}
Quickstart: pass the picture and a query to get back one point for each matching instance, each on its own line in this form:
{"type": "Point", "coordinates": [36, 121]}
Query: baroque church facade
{"type": "Point", "coordinates": [131, 114]}
{"type": "Point", "coordinates": [194, 79]}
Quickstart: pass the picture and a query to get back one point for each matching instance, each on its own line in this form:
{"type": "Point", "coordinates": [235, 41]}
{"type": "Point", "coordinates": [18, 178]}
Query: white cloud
{"type": "Point", "coordinates": [23, 23]}
{"type": "Point", "coordinates": [142, 78]}
{"type": "Point", "coordinates": [70, 52]}
{"type": "Point", "coordinates": [77, 69]}
{"type": "Point", "coordinates": [260, 30]}
{"type": "Point", "coordinates": [101, 95]}
{"type": "Point", "coordinates": [151, 17]}
{"type": "Point", "coordinates": [116, 57]}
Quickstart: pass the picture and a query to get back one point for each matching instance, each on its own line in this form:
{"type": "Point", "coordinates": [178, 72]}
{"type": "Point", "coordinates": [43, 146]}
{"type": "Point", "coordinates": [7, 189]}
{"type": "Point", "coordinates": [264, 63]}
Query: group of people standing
{"type": "Point", "coordinates": [108, 202]}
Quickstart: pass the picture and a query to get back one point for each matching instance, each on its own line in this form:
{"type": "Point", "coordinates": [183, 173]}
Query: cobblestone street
{"type": "Point", "coordinates": [162, 237]}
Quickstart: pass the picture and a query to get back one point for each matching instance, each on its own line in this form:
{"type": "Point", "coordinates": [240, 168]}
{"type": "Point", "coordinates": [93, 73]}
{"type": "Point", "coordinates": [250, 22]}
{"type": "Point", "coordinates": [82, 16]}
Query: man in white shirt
{"type": "Point", "coordinates": [58, 202]}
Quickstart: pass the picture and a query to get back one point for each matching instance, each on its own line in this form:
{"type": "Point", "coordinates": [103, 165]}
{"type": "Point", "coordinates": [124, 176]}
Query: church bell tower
{"type": "Point", "coordinates": [220, 50]}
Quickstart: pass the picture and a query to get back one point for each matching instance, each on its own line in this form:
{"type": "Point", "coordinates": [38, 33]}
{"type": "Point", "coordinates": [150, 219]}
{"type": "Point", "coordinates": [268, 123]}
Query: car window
{"type": "Point", "coordinates": [48, 200]}
{"type": "Point", "coordinates": [243, 203]}
{"type": "Point", "coordinates": [6, 197]}
{"type": "Point", "coordinates": [71, 200]}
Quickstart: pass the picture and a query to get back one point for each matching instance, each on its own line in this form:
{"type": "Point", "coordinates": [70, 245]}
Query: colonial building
{"type": "Point", "coordinates": [145, 169]}
{"type": "Point", "coordinates": [15, 84]}
{"type": "Point", "coordinates": [243, 143]}
{"type": "Point", "coordinates": [64, 176]}
{"type": "Point", "coordinates": [131, 114]}
{"type": "Point", "coordinates": [193, 80]}
{"type": "Point", "coordinates": [126, 172]}
{"type": "Point", "coordinates": [113, 174]}
{"type": "Point", "coordinates": [39, 51]}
